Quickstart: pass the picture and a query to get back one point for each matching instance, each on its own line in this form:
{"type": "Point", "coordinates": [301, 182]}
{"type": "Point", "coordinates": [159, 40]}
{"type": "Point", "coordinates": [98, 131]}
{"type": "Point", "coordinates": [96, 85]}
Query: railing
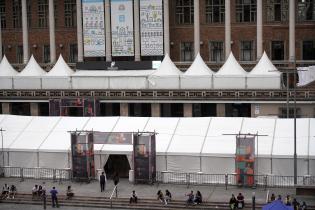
{"type": "Point", "coordinates": [111, 196]}
{"type": "Point", "coordinates": [36, 173]}
{"type": "Point", "coordinates": [233, 179]}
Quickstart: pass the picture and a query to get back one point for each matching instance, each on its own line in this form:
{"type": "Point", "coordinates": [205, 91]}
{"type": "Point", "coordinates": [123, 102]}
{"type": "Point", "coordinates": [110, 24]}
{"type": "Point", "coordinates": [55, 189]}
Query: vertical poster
{"type": "Point", "coordinates": [151, 27]}
{"type": "Point", "coordinates": [54, 107]}
{"type": "Point", "coordinates": [122, 27]}
{"type": "Point", "coordinates": [93, 28]}
{"type": "Point", "coordinates": [245, 159]}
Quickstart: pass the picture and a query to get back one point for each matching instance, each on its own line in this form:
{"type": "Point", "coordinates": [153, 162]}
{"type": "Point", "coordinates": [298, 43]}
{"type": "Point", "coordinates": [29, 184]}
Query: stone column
{"type": "Point", "coordinates": [25, 32]}
{"type": "Point", "coordinates": [137, 29]}
{"type": "Point", "coordinates": [79, 31]}
{"type": "Point", "coordinates": [196, 27]}
{"type": "Point", "coordinates": [155, 110]}
{"type": "Point", "coordinates": [187, 110]}
{"type": "Point", "coordinates": [259, 29]}
{"type": "Point", "coordinates": [34, 109]}
{"type": "Point", "coordinates": [6, 108]}
{"type": "Point", "coordinates": [52, 40]}
{"type": "Point", "coordinates": [227, 28]}
{"type": "Point", "coordinates": [108, 34]}
{"type": "Point", "coordinates": [166, 27]}
{"type": "Point", "coordinates": [220, 110]}
{"type": "Point", "coordinates": [124, 109]}
{"type": "Point", "coordinates": [291, 30]}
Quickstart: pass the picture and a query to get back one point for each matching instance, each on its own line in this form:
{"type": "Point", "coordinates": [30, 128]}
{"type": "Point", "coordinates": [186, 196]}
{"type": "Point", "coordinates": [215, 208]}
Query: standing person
{"type": "Point", "coordinates": [54, 199]}
{"type": "Point", "coordinates": [295, 204]}
{"type": "Point", "coordinates": [102, 182]}
{"type": "Point", "coordinates": [233, 202]}
{"type": "Point", "coordinates": [116, 178]}
{"type": "Point", "coordinates": [287, 200]}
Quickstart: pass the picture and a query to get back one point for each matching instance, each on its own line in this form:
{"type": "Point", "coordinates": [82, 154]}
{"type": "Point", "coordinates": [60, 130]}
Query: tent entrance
{"type": "Point", "coordinates": [119, 164]}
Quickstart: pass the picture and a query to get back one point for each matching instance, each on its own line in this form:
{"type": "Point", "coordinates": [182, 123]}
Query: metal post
{"type": "Point", "coordinates": [1, 130]}
{"type": "Point", "coordinates": [288, 113]}
{"type": "Point", "coordinates": [294, 112]}
{"type": "Point", "coordinates": [253, 201]}
{"type": "Point", "coordinates": [44, 199]}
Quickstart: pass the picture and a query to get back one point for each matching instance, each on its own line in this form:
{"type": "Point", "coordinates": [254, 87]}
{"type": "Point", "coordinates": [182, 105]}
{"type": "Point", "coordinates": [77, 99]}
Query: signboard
{"type": "Point", "coordinates": [245, 159]}
{"type": "Point", "coordinates": [112, 138]}
{"type": "Point", "coordinates": [122, 27]}
{"type": "Point", "coordinates": [93, 28]}
{"type": "Point", "coordinates": [151, 27]}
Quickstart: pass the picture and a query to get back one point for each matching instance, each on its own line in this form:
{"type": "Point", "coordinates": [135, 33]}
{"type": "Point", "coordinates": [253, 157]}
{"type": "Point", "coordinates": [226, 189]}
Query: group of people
{"type": "Point", "coordinates": [8, 191]}
{"type": "Point", "coordinates": [288, 201]}
{"type": "Point", "coordinates": [237, 202]}
{"type": "Point", "coordinates": [164, 198]}
{"type": "Point", "coordinates": [38, 191]}
{"type": "Point", "coordinates": [103, 180]}
{"type": "Point", "coordinates": [194, 198]}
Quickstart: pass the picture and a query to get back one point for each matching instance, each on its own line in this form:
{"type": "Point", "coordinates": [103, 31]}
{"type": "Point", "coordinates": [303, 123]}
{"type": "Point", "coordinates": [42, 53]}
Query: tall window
{"type": "Point", "coordinates": [216, 51]}
{"type": "Point", "coordinates": [277, 10]}
{"type": "Point", "coordinates": [2, 14]}
{"type": "Point", "coordinates": [42, 13]}
{"type": "Point", "coordinates": [306, 10]}
{"type": "Point", "coordinates": [17, 14]}
{"type": "Point", "coordinates": [186, 51]}
{"type": "Point", "coordinates": [246, 10]}
{"type": "Point", "coordinates": [19, 54]}
{"type": "Point", "coordinates": [277, 50]}
{"type": "Point", "coordinates": [283, 112]}
{"type": "Point", "coordinates": [184, 11]}
{"type": "Point", "coordinates": [309, 50]}
{"type": "Point", "coordinates": [70, 13]}
{"type": "Point", "coordinates": [247, 50]}
{"type": "Point", "coordinates": [215, 10]}
{"type": "Point", "coordinates": [46, 52]}
{"type": "Point", "coordinates": [73, 57]}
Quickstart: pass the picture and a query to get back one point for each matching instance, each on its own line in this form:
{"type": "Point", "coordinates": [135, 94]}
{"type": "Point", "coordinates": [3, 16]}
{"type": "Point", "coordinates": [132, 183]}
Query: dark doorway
{"type": "Point", "coordinates": [110, 109]}
{"type": "Point", "coordinates": [140, 110]}
{"type": "Point", "coordinates": [119, 164]}
{"type": "Point", "coordinates": [172, 110]}
{"type": "Point", "coordinates": [75, 111]}
{"type": "Point", "coordinates": [21, 109]}
{"type": "Point", "coordinates": [43, 109]}
{"type": "Point", "coordinates": [204, 110]}
{"type": "Point", "coordinates": [238, 110]}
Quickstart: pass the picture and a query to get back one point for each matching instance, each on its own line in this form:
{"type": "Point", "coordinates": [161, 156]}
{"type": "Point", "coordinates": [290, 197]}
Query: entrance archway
{"type": "Point", "coordinates": [119, 164]}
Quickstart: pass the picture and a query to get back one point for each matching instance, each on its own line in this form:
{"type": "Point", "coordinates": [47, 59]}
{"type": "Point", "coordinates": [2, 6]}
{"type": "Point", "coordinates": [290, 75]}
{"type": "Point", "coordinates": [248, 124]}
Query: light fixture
{"type": "Point", "coordinates": [35, 46]}
{"type": "Point", "coordinates": [61, 46]}
{"type": "Point", "coordinates": [172, 43]}
{"type": "Point", "coordinates": [201, 43]}
{"type": "Point", "coordinates": [9, 46]}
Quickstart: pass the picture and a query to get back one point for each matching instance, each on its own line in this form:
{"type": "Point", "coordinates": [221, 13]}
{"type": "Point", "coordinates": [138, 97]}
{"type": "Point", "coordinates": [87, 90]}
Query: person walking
{"type": "Point", "coordinates": [54, 199]}
{"type": "Point", "coordinates": [116, 178]}
{"type": "Point", "coordinates": [102, 182]}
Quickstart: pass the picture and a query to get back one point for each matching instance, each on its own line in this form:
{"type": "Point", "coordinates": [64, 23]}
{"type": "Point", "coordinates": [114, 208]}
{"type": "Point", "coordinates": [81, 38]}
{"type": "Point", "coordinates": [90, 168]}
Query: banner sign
{"type": "Point", "coordinates": [245, 159]}
{"type": "Point", "coordinates": [112, 138]}
{"type": "Point", "coordinates": [122, 27]}
{"type": "Point", "coordinates": [151, 27]}
{"type": "Point", "coordinates": [93, 28]}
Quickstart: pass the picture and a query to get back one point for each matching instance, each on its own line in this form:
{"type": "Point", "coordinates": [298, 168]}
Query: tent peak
{"type": "Point", "coordinates": [6, 68]}
{"type": "Point", "coordinates": [32, 68]}
{"type": "Point", "coordinates": [231, 67]}
{"type": "Point", "coordinates": [167, 68]}
{"type": "Point", "coordinates": [198, 67]}
{"type": "Point", "coordinates": [61, 68]}
{"type": "Point", "coordinates": [264, 67]}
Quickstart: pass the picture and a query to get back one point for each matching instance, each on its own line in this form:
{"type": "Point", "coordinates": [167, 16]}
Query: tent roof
{"type": "Point", "coordinates": [198, 68]}
{"type": "Point", "coordinates": [167, 68]}
{"type": "Point", "coordinates": [120, 73]}
{"type": "Point", "coordinates": [32, 69]}
{"type": "Point", "coordinates": [61, 68]}
{"type": "Point", "coordinates": [264, 67]}
{"type": "Point", "coordinates": [231, 67]}
{"type": "Point", "coordinates": [277, 205]}
{"type": "Point", "coordinates": [6, 69]}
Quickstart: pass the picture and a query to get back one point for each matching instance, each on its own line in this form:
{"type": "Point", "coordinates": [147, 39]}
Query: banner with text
{"type": "Point", "coordinates": [122, 27]}
{"type": "Point", "coordinates": [151, 26]}
{"type": "Point", "coordinates": [93, 28]}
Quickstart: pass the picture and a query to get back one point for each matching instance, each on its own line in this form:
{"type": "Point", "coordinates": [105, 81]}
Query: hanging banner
{"type": "Point", "coordinates": [93, 28]}
{"type": "Point", "coordinates": [151, 25]}
{"type": "Point", "coordinates": [122, 27]}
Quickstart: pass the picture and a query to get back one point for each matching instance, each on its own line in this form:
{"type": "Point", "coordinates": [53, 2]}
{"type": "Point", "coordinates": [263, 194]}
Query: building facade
{"type": "Point", "coordinates": [285, 29]}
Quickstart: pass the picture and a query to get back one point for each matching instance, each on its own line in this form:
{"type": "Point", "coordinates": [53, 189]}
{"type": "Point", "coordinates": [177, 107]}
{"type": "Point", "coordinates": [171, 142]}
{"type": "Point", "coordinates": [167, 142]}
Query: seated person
{"type": "Point", "coordinates": [233, 202]}
{"type": "Point", "coordinates": [40, 191]}
{"type": "Point", "coordinates": [134, 197]}
{"type": "Point", "coordinates": [34, 191]}
{"type": "Point", "coordinates": [69, 193]}
{"type": "Point", "coordinates": [161, 197]}
{"type": "Point", "coordinates": [12, 191]}
{"type": "Point", "coordinates": [240, 201]}
{"type": "Point", "coordinates": [5, 191]}
{"type": "Point", "coordinates": [191, 197]}
{"type": "Point", "coordinates": [273, 197]}
{"type": "Point", "coordinates": [198, 198]}
{"type": "Point", "coordinates": [168, 196]}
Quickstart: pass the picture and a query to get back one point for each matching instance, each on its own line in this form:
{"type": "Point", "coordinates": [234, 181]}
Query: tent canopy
{"type": "Point", "coordinates": [167, 68]}
{"type": "Point", "coordinates": [32, 69]}
{"type": "Point", "coordinates": [198, 68]}
{"type": "Point", "coordinates": [60, 69]}
{"type": "Point", "coordinates": [231, 68]}
{"type": "Point", "coordinates": [265, 67]}
{"type": "Point", "coordinates": [277, 205]}
{"type": "Point", "coordinates": [6, 69]}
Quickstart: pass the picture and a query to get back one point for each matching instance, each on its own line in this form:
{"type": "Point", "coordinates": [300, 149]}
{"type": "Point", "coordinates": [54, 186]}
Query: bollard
{"type": "Point", "coordinates": [226, 181]}
{"type": "Point", "coordinates": [44, 199]}
{"type": "Point", "coordinates": [265, 182]}
{"type": "Point", "coordinates": [188, 180]}
{"type": "Point", "coordinates": [116, 190]}
{"type": "Point", "coordinates": [253, 201]}
{"type": "Point", "coordinates": [54, 175]}
{"type": "Point", "coordinates": [21, 174]}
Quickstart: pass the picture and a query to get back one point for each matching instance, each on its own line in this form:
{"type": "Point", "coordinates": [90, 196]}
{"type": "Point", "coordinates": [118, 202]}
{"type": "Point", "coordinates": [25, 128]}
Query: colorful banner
{"type": "Point", "coordinates": [93, 28]}
{"type": "Point", "coordinates": [112, 138]}
{"type": "Point", "coordinates": [245, 159]}
{"type": "Point", "coordinates": [122, 27]}
{"type": "Point", "coordinates": [151, 27]}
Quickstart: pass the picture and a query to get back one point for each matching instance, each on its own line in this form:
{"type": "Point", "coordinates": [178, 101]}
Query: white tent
{"type": "Point", "coordinates": [231, 75]}
{"type": "Point", "coordinates": [264, 76]}
{"type": "Point", "coordinates": [30, 76]}
{"type": "Point", "coordinates": [166, 76]}
{"type": "Point", "coordinates": [306, 75]}
{"type": "Point", "coordinates": [6, 74]}
{"type": "Point", "coordinates": [183, 144]}
{"type": "Point", "coordinates": [59, 76]}
{"type": "Point", "coordinates": [197, 76]}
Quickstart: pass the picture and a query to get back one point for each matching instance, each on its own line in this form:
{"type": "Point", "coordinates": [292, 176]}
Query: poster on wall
{"type": "Point", "coordinates": [245, 159]}
{"type": "Point", "coordinates": [122, 27]}
{"type": "Point", "coordinates": [93, 28]}
{"type": "Point", "coordinates": [151, 27]}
